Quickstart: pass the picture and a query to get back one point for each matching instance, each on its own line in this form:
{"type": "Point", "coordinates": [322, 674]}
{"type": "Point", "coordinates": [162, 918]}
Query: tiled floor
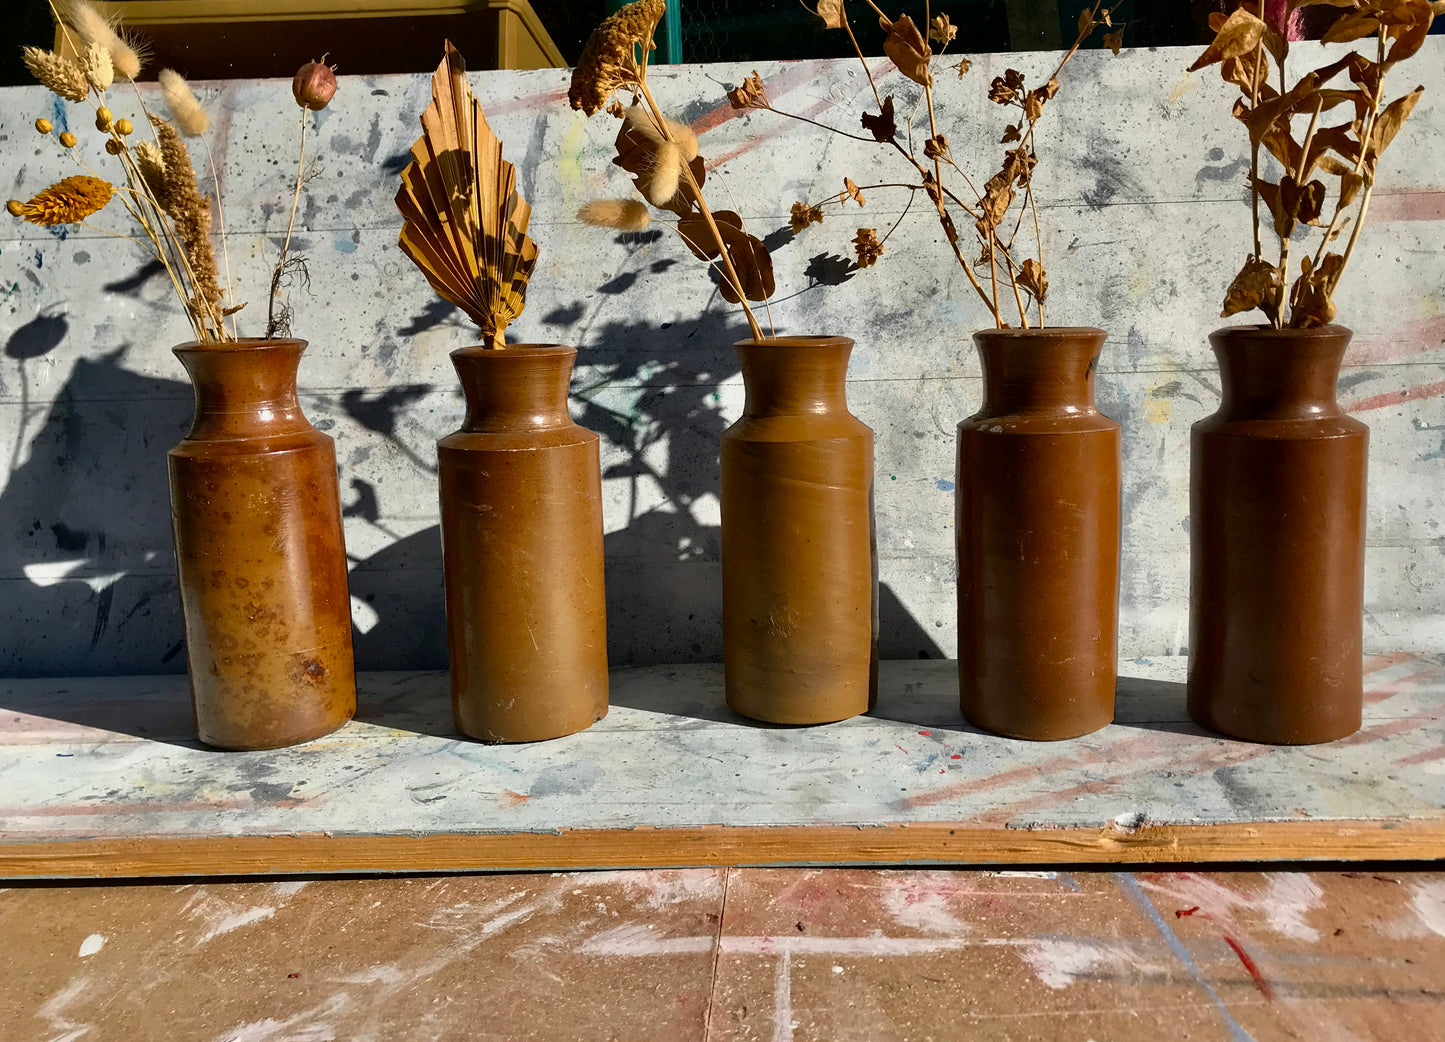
{"type": "Point", "coordinates": [740, 954]}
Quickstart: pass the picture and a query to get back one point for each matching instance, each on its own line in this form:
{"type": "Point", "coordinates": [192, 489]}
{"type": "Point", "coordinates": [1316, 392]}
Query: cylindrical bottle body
{"type": "Point", "coordinates": [799, 556]}
{"type": "Point", "coordinates": [260, 557]}
{"type": "Point", "coordinates": [521, 515]}
{"type": "Point", "coordinates": [1277, 543]}
{"type": "Point", "coordinates": [1037, 532]}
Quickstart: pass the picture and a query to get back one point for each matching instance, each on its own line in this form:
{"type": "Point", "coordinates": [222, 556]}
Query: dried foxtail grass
{"type": "Point", "coordinates": [626, 215]}
{"type": "Point", "coordinates": [58, 74]}
{"type": "Point", "coordinates": [189, 211]}
{"type": "Point", "coordinates": [465, 222]}
{"type": "Point", "coordinates": [663, 154]}
{"type": "Point", "coordinates": [190, 116]}
{"type": "Point", "coordinates": [94, 28]}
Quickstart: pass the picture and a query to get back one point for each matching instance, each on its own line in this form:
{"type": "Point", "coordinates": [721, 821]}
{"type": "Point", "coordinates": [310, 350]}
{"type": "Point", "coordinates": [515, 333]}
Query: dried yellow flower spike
{"type": "Point", "coordinates": [66, 202]}
{"type": "Point", "coordinates": [609, 60]}
{"type": "Point", "coordinates": [44, 125]}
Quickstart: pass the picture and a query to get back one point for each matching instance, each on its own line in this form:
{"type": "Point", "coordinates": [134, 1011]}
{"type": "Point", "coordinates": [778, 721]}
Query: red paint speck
{"type": "Point", "coordinates": [926, 734]}
{"type": "Point", "coordinates": [956, 756]}
{"type": "Point", "coordinates": [1181, 913]}
{"type": "Point", "coordinates": [899, 748]}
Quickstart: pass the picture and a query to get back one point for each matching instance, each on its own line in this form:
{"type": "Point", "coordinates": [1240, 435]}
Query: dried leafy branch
{"type": "Point", "coordinates": [662, 157]}
{"type": "Point", "coordinates": [997, 212]}
{"type": "Point", "coordinates": [158, 187]}
{"type": "Point", "coordinates": [1244, 45]}
{"type": "Point", "coordinates": [465, 221]}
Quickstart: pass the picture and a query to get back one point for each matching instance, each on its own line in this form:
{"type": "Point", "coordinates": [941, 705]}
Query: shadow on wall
{"type": "Point", "coordinates": [652, 394]}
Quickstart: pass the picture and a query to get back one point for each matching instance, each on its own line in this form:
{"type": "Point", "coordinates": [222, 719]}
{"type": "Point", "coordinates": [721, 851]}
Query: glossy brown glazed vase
{"type": "Point", "coordinates": [259, 554]}
{"type": "Point", "coordinates": [800, 630]}
{"type": "Point", "coordinates": [521, 511]}
{"type": "Point", "coordinates": [1277, 543]}
{"type": "Point", "coordinates": [1037, 511]}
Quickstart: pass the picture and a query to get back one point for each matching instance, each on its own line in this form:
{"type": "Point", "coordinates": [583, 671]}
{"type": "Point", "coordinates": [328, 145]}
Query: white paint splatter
{"type": "Point", "coordinates": [638, 939]}
{"type": "Point", "coordinates": [1059, 961]}
{"type": "Point", "coordinates": [1288, 899]}
{"type": "Point", "coordinates": [53, 1011]}
{"type": "Point", "coordinates": [918, 901]}
{"type": "Point", "coordinates": [290, 888]}
{"type": "Point", "coordinates": [312, 1025]}
{"type": "Point", "coordinates": [658, 889]}
{"type": "Point", "coordinates": [1428, 902]}
{"type": "Point", "coordinates": [92, 944]}
{"type": "Point", "coordinates": [224, 922]}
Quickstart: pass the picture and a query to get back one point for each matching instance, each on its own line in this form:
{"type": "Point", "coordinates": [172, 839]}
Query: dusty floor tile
{"type": "Point", "coordinates": [478, 957]}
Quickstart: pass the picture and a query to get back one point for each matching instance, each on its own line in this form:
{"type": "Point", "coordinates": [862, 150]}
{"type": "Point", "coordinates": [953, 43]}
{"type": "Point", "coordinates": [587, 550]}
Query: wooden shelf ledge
{"type": "Point", "coordinates": [102, 777]}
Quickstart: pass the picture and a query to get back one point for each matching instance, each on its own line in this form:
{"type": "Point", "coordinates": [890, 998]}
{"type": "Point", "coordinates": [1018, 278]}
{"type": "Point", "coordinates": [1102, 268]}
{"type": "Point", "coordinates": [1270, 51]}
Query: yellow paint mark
{"type": "Point", "coordinates": [1187, 82]}
{"type": "Point", "coordinates": [569, 161]}
{"type": "Point", "coordinates": [1157, 410]}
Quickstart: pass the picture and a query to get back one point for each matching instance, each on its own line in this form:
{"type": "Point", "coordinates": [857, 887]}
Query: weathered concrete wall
{"type": "Point", "coordinates": [1142, 190]}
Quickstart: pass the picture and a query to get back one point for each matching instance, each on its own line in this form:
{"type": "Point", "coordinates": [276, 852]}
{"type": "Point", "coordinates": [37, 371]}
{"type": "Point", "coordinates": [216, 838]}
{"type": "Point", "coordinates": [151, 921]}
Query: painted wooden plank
{"type": "Point", "coordinates": [103, 776]}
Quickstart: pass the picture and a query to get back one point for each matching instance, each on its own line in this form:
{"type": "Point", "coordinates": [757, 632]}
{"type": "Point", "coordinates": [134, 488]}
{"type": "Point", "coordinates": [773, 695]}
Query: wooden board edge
{"type": "Point", "coordinates": [654, 847]}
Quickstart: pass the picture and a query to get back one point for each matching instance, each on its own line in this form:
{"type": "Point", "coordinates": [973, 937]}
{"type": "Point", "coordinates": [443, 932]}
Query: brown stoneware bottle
{"type": "Point", "coordinates": [521, 511]}
{"type": "Point", "coordinates": [1277, 543]}
{"type": "Point", "coordinates": [799, 559]}
{"type": "Point", "coordinates": [1037, 500]}
{"type": "Point", "coordinates": [259, 554]}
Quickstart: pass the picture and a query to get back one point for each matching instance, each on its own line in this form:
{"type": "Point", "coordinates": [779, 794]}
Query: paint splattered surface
{"type": "Point", "coordinates": [726, 955]}
{"type": "Point", "coordinates": [116, 758]}
{"type": "Point", "coordinates": [1143, 201]}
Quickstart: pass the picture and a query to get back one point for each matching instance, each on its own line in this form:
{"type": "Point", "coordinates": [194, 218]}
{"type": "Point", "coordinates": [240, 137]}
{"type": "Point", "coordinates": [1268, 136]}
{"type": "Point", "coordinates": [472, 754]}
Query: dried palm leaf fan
{"type": "Point", "coordinates": [466, 223]}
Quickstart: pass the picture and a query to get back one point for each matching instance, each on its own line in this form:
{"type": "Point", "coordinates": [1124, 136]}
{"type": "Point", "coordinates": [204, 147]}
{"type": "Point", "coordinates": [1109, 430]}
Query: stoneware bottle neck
{"type": "Point", "coordinates": [244, 388]}
{"type": "Point", "coordinates": [1046, 371]}
{"type": "Point", "coordinates": [793, 375]}
{"type": "Point", "coordinates": [521, 387]}
{"type": "Point", "coordinates": [1279, 374]}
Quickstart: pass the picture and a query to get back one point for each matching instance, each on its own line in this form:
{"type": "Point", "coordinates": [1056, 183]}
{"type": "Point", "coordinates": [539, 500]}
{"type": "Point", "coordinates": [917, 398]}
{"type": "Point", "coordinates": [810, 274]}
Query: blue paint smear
{"type": "Point", "coordinates": [944, 486]}
{"type": "Point", "coordinates": [1132, 891]}
{"type": "Point", "coordinates": [344, 246]}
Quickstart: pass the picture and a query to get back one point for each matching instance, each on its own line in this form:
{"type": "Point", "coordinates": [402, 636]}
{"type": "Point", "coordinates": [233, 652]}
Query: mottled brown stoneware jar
{"type": "Point", "coordinates": [1037, 510]}
{"type": "Point", "coordinates": [799, 560]}
{"type": "Point", "coordinates": [521, 511]}
{"type": "Point", "coordinates": [1277, 543]}
{"type": "Point", "coordinates": [259, 554]}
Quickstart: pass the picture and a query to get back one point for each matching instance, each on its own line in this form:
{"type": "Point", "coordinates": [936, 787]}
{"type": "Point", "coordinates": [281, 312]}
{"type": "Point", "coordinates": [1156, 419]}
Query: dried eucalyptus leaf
{"type": "Point", "coordinates": [1032, 278]}
{"type": "Point", "coordinates": [1352, 26]}
{"type": "Point", "coordinates": [850, 190]}
{"type": "Point", "coordinates": [1309, 297]}
{"type": "Point", "coordinates": [905, 45]}
{"type": "Point", "coordinates": [754, 265]}
{"type": "Point", "coordinates": [1388, 124]}
{"type": "Point", "coordinates": [1257, 282]}
{"type": "Point", "coordinates": [1238, 34]}
{"type": "Point", "coordinates": [1408, 42]}
{"type": "Point", "coordinates": [831, 11]}
{"type": "Point", "coordinates": [1350, 185]}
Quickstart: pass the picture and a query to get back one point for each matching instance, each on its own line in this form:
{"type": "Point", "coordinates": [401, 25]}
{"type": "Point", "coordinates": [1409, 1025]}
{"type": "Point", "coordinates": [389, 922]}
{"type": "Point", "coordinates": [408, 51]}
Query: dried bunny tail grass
{"type": "Point", "coordinates": [666, 156]}
{"type": "Point", "coordinates": [189, 211]}
{"type": "Point", "coordinates": [189, 114]}
{"type": "Point", "coordinates": [59, 75]}
{"type": "Point", "coordinates": [68, 201]}
{"type": "Point", "coordinates": [626, 215]}
{"type": "Point", "coordinates": [609, 59]}
{"type": "Point", "coordinates": [98, 68]}
{"type": "Point", "coordinates": [95, 28]}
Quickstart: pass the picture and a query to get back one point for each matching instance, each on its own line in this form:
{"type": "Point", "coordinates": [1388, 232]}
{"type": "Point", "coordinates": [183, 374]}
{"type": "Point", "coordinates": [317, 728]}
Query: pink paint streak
{"type": "Point", "coordinates": [1384, 401]}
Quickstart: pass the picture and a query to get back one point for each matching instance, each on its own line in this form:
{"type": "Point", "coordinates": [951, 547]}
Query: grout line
{"type": "Point", "coordinates": [1126, 883]}
{"type": "Point", "coordinates": [716, 957]}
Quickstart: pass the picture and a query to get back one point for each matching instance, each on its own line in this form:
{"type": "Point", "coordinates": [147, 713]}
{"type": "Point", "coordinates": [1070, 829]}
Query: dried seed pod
{"type": "Point", "coordinates": [103, 121]}
{"type": "Point", "coordinates": [314, 85]}
{"type": "Point", "coordinates": [44, 125]}
{"type": "Point", "coordinates": [123, 127]}
{"type": "Point", "coordinates": [67, 139]}
{"type": "Point", "coordinates": [114, 147]}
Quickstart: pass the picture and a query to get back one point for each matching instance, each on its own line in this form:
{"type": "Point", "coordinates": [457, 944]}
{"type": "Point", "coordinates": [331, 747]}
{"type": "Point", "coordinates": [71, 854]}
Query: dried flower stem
{"type": "Point", "coordinates": [221, 216]}
{"type": "Point", "coordinates": [696, 193]}
{"type": "Point", "coordinates": [1369, 187]}
{"type": "Point", "coordinates": [286, 242]}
